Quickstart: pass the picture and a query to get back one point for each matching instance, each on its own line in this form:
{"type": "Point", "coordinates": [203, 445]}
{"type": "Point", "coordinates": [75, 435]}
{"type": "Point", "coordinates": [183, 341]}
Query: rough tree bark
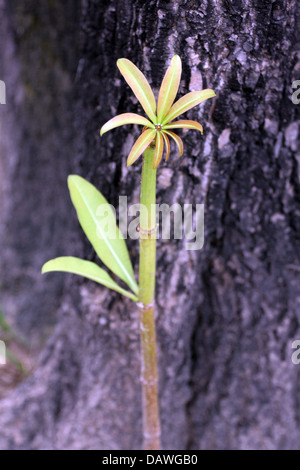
{"type": "Point", "coordinates": [226, 315]}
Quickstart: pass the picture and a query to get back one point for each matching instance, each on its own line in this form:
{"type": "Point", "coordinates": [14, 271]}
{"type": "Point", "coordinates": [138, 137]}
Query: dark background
{"type": "Point", "coordinates": [226, 315]}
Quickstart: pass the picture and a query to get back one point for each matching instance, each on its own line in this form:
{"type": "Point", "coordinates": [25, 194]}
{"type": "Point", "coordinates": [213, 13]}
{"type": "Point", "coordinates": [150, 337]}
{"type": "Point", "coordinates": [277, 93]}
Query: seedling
{"type": "Point", "coordinates": [112, 251]}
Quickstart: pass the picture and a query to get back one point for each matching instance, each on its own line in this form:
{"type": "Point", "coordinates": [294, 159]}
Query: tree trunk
{"type": "Point", "coordinates": [227, 314]}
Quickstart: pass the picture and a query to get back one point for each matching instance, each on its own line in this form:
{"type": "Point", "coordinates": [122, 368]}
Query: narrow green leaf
{"type": "Point", "coordinates": [159, 147]}
{"type": "Point", "coordinates": [126, 118]}
{"type": "Point", "coordinates": [177, 140]}
{"type": "Point", "coordinates": [188, 102]}
{"type": "Point", "coordinates": [169, 88]}
{"type": "Point", "coordinates": [140, 145]}
{"type": "Point", "coordinates": [167, 144]}
{"type": "Point", "coordinates": [98, 221]}
{"type": "Point", "coordinates": [185, 125]}
{"type": "Point", "coordinates": [70, 264]}
{"type": "Point", "coordinates": [139, 85]}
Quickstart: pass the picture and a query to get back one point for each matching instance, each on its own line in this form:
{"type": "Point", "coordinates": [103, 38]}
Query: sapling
{"type": "Point", "coordinates": [112, 250]}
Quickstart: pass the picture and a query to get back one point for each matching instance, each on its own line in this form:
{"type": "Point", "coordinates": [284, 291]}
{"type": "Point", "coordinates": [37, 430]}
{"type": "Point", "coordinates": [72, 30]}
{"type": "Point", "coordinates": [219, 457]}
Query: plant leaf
{"type": "Point", "coordinates": [167, 144]}
{"type": "Point", "coordinates": [70, 264]}
{"type": "Point", "coordinates": [185, 124]}
{"type": "Point", "coordinates": [110, 247]}
{"type": "Point", "coordinates": [169, 88]}
{"type": "Point", "coordinates": [139, 85]}
{"type": "Point", "coordinates": [187, 102]}
{"type": "Point", "coordinates": [178, 141]}
{"type": "Point", "coordinates": [159, 147]}
{"type": "Point", "coordinates": [140, 145]}
{"type": "Point", "coordinates": [126, 118]}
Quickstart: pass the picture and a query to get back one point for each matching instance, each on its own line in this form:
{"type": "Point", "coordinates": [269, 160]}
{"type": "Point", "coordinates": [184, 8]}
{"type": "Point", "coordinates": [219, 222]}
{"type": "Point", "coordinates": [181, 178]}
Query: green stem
{"type": "Point", "coordinates": [147, 271]}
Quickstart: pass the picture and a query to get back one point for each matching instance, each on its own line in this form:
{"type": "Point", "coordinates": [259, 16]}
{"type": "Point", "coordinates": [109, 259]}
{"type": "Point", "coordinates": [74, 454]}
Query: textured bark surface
{"type": "Point", "coordinates": [227, 314]}
{"type": "Point", "coordinates": [39, 58]}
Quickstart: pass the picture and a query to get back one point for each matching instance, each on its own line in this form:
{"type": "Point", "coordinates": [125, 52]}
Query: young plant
{"type": "Point", "coordinates": [112, 250]}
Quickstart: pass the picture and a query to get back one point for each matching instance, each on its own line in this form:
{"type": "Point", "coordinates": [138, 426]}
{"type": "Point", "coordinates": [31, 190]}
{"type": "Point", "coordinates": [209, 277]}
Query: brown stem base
{"type": "Point", "coordinates": [149, 379]}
